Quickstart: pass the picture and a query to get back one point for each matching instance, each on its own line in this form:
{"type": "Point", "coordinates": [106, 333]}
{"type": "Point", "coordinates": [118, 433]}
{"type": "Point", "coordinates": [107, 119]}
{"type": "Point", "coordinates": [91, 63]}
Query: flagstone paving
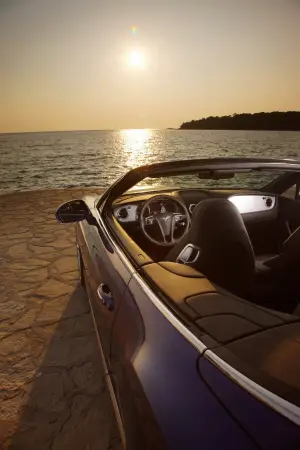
{"type": "Point", "coordinates": [52, 389]}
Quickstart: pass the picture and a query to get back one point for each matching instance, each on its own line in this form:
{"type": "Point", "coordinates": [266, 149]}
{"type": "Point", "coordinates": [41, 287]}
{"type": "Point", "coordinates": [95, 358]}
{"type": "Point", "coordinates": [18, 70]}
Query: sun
{"type": "Point", "coordinates": [136, 59]}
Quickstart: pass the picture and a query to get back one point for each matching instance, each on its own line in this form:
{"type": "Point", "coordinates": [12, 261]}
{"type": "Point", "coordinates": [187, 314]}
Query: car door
{"type": "Point", "coordinates": [128, 336]}
{"type": "Point", "coordinates": [164, 402]}
{"type": "Point", "coordinates": [106, 279]}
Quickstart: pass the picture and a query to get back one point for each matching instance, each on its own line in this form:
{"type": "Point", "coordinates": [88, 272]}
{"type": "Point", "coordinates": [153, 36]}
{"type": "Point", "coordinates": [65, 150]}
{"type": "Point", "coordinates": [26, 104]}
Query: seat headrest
{"type": "Point", "coordinates": [226, 254]}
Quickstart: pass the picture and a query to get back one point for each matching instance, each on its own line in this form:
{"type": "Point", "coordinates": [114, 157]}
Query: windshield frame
{"type": "Point", "coordinates": [251, 179]}
{"type": "Point", "coordinates": [179, 167]}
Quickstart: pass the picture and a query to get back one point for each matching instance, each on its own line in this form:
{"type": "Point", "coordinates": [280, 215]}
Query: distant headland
{"type": "Point", "coordinates": [271, 121]}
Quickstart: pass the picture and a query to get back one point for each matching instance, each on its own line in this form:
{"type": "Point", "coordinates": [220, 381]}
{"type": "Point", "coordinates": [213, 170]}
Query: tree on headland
{"type": "Point", "coordinates": [280, 121]}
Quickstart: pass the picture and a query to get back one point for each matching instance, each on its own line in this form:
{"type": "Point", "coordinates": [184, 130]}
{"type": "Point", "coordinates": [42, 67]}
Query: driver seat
{"type": "Point", "coordinates": [217, 245]}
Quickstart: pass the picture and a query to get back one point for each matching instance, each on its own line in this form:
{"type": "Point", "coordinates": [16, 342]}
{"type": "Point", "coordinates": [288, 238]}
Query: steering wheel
{"type": "Point", "coordinates": [168, 222]}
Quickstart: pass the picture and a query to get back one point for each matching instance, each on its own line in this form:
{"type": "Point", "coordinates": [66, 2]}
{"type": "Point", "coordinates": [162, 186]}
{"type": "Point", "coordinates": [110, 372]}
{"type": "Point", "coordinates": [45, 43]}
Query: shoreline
{"type": "Point", "coordinates": [237, 129]}
{"type": "Point", "coordinates": [258, 121]}
{"type": "Point", "coordinates": [58, 191]}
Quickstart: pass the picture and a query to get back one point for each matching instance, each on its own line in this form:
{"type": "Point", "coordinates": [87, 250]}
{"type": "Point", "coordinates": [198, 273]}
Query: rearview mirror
{"type": "Point", "coordinates": [72, 211]}
{"type": "Point", "coordinates": [215, 174]}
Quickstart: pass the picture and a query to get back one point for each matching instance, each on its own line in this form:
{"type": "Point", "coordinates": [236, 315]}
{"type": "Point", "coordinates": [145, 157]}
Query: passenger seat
{"type": "Point", "coordinates": [287, 260]}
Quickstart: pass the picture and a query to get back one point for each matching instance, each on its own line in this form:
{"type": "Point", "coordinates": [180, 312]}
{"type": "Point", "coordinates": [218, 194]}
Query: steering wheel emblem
{"type": "Point", "coordinates": [165, 218]}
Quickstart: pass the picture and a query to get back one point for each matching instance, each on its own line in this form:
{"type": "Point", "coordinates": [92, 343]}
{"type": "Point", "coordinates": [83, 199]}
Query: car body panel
{"type": "Point", "coordinates": [270, 429]}
{"type": "Point", "coordinates": [164, 385]}
{"type": "Point", "coordinates": [102, 266]}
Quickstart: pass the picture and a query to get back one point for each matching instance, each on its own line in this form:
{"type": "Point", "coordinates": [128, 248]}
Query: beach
{"type": "Point", "coordinates": [52, 387]}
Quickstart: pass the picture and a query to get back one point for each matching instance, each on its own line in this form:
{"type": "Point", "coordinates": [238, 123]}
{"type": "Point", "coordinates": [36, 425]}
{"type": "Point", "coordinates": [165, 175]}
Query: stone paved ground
{"type": "Point", "coordinates": [52, 390]}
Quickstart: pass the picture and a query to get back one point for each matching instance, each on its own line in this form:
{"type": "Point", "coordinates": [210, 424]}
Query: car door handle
{"type": "Point", "coordinates": [105, 295]}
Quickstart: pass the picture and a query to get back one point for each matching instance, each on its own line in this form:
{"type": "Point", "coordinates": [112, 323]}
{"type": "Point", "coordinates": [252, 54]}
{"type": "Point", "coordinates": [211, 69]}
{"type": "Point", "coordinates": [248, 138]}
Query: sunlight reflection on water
{"type": "Point", "coordinates": [136, 146]}
{"type": "Point", "coordinates": [96, 158]}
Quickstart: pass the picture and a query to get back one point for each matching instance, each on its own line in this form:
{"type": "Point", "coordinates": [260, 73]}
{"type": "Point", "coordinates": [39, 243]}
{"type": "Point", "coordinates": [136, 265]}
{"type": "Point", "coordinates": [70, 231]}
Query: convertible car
{"type": "Point", "coordinates": [192, 272]}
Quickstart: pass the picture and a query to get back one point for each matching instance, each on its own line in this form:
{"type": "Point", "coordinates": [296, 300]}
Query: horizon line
{"type": "Point", "coordinates": [80, 130]}
{"type": "Point", "coordinates": [144, 128]}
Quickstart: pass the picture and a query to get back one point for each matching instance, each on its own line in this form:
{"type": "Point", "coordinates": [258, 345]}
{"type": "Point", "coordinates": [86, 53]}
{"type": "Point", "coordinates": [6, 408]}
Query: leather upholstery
{"type": "Point", "coordinates": [287, 259]}
{"type": "Point", "coordinates": [226, 254]}
{"type": "Point", "coordinates": [291, 247]}
{"type": "Point", "coordinates": [180, 269]}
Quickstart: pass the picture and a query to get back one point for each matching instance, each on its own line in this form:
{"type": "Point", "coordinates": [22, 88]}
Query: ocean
{"type": "Point", "coordinates": [52, 160]}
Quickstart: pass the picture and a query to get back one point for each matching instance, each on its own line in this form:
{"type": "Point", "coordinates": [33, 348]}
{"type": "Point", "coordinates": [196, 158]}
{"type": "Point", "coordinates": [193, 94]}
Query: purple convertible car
{"type": "Point", "coordinates": [192, 272]}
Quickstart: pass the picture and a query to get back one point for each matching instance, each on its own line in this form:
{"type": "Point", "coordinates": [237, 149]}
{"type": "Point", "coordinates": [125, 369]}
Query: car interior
{"type": "Point", "coordinates": [216, 251]}
{"type": "Point", "coordinates": [243, 240]}
{"type": "Point", "coordinates": [225, 260]}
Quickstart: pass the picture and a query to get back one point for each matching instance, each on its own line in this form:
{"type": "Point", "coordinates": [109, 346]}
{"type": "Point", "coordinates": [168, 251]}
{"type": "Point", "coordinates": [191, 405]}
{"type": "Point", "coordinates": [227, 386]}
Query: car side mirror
{"type": "Point", "coordinates": [72, 211]}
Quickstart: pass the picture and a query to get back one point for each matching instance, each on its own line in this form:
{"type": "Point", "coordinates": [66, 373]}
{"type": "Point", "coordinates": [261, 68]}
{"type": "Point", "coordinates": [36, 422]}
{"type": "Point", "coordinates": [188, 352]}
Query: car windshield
{"type": "Point", "coordinates": [254, 179]}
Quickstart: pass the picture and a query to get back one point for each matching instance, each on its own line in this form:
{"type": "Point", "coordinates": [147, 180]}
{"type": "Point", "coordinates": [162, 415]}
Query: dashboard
{"type": "Point", "coordinates": [127, 213]}
{"type": "Point", "coordinates": [130, 212]}
{"type": "Point", "coordinates": [251, 206]}
{"type": "Point", "coordinates": [247, 204]}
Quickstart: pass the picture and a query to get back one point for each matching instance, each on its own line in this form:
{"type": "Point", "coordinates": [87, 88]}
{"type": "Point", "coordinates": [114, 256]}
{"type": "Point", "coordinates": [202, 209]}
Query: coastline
{"type": "Point", "coordinates": [60, 193]}
{"type": "Point", "coordinates": [237, 129]}
{"type": "Point", "coordinates": [53, 393]}
{"type": "Point", "coordinates": [263, 121]}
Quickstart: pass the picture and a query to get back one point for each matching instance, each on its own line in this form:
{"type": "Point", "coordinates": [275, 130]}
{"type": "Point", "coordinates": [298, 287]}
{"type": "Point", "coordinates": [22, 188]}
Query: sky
{"type": "Point", "coordinates": [112, 64]}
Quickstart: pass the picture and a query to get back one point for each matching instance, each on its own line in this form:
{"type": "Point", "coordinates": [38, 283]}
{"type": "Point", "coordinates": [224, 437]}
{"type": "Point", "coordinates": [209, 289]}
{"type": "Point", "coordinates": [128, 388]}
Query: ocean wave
{"type": "Point", "coordinates": [39, 145]}
{"type": "Point", "coordinates": [71, 159]}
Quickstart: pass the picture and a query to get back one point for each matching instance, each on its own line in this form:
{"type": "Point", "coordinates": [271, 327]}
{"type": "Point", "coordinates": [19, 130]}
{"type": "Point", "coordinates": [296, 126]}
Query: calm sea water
{"type": "Point", "coordinates": [32, 161]}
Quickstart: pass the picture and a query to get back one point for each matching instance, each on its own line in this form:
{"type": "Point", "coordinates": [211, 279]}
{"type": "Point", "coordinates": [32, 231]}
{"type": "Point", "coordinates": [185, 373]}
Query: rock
{"type": "Point", "coordinates": [70, 251]}
{"type": "Point", "coordinates": [65, 353]}
{"type": "Point", "coordinates": [35, 275]}
{"type": "Point", "coordinates": [33, 263]}
{"type": "Point", "coordinates": [9, 408]}
{"type": "Point", "coordinates": [14, 306]}
{"type": "Point", "coordinates": [6, 242]}
{"type": "Point", "coordinates": [46, 393]}
{"type": "Point", "coordinates": [68, 328]}
{"type": "Point", "coordinates": [14, 377]}
{"type": "Point", "coordinates": [52, 390]}
{"type": "Point", "coordinates": [25, 321]}
{"type": "Point", "coordinates": [52, 289]}
{"type": "Point", "coordinates": [86, 378]}
{"type": "Point", "coordinates": [41, 250]}
{"type": "Point", "coordinates": [36, 431]}
{"type": "Point", "coordinates": [60, 243]}
{"type": "Point", "coordinates": [13, 348]}
{"type": "Point", "coordinates": [42, 241]}
{"type": "Point", "coordinates": [61, 309]}
{"type": "Point", "coordinates": [66, 264]}
{"type": "Point", "coordinates": [18, 251]}
{"type": "Point", "coordinates": [85, 414]}
{"type": "Point", "coordinates": [20, 286]}
{"type": "Point", "coordinates": [26, 235]}
{"type": "Point", "coordinates": [71, 276]}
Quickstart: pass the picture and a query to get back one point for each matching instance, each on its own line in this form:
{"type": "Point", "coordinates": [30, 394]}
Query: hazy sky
{"type": "Point", "coordinates": [68, 64]}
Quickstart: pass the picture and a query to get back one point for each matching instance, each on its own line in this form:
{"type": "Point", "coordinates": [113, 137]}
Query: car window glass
{"type": "Point", "coordinates": [254, 179]}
